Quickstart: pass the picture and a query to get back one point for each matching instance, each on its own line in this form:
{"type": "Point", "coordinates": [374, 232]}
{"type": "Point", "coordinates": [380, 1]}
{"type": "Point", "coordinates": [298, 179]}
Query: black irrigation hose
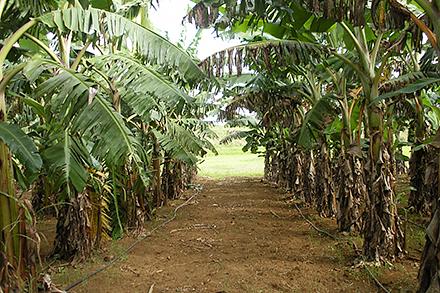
{"type": "Point", "coordinates": [378, 283]}
{"type": "Point", "coordinates": [126, 251]}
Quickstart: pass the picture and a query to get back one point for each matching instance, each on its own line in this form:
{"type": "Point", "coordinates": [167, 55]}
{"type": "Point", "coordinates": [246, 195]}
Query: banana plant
{"type": "Point", "coordinates": [363, 41]}
{"type": "Point", "coordinates": [92, 130]}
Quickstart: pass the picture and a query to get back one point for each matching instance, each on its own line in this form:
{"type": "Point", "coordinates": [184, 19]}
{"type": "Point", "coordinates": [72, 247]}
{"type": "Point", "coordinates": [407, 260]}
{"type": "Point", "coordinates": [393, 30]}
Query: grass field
{"type": "Point", "coordinates": [231, 161]}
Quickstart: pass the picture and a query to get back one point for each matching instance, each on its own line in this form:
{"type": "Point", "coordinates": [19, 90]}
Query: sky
{"type": "Point", "coordinates": [167, 20]}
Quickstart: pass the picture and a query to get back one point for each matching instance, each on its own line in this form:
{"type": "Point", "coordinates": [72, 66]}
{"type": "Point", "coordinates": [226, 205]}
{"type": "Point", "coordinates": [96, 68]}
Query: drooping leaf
{"type": "Point", "coordinates": [68, 91]}
{"type": "Point", "coordinates": [142, 87]}
{"type": "Point", "coordinates": [114, 142]}
{"type": "Point", "coordinates": [316, 119]}
{"type": "Point", "coordinates": [267, 54]}
{"type": "Point", "coordinates": [21, 146]}
{"type": "Point", "coordinates": [152, 46]}
{"type": "Point", "coordinates": [410, 88]}
{"type": "Point", "coordinates": [66, 162]}
{"type": "Point", "coordinates": [235, 136]}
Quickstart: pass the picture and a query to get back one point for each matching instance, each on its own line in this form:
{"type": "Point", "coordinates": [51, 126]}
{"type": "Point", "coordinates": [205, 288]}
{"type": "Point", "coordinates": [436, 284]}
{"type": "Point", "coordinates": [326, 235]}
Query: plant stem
{"type": "Point", "coordinates": [43, 46]}
{"type": "Point", "coordinates": [9, 43]}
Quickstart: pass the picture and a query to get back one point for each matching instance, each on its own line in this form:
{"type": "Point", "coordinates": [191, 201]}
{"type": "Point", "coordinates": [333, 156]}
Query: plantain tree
{"type": "Point", "coordinates": [363, 51]}
{"type": "Point", "coordinates": [97, 94]}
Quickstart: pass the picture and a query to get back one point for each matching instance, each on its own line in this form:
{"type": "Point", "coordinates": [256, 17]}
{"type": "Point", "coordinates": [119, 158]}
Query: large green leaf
{"type": "Point", "coordinates": [21, 146]}
{"type": "Point", "coordinates": [316, 119]}
{"type": "Point", "coordinates": [106, 127]}
{"type": "Point", "coordinates": [155, 48]}
{"type": "Point", "coordinates": [67, 92]}
{"type": "Point", "coordinates": [409, 89]}
{"type": "Point", "coordinates": [142, 86]}
{"type": "Point", "coordinates": [66, 162]}
{"type": "Point", "coordinates": [182, 143]}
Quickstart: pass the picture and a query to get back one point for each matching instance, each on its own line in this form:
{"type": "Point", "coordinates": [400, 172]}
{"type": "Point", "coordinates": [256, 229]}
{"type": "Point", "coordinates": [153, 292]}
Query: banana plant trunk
{"type": "Point", "coordinates": [157, 186]}
{"type": "Point", "coordinates": [17, 254]}
{"type": "Point", "coordinates": [285, 171]}
{"type": "Point", "coordinates": [383, 238]}
{"type": "Point", "coordinates": [309, 176]}
{"type": "Point", "coordinates": [74, 239]}
{"type": "Point", "coordinates": [273, 167]}
{"type": "Point", "coordinates": [170, 178]}
{"type": "Point", "coordinates": [326, 197]}
{"type": "Point", "coordinates": [297, 178]}
{"type": "Point", "coordinates": [420, 198]}
{"type": "Point", "coordinates": [267, 163]}
{"type": "Point", "coordinates": [429, 272]}
{"type": "Point", "coordinates": [352, 192]}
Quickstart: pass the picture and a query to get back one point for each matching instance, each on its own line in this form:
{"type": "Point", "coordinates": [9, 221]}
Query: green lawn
{"type": "Point", "coordinates": [231, 160]}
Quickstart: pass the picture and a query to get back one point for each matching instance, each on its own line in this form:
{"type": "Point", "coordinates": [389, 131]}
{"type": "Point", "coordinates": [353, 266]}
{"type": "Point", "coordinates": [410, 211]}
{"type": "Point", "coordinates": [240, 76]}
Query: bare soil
{"type": "Point", "coordinates": [237, 235]}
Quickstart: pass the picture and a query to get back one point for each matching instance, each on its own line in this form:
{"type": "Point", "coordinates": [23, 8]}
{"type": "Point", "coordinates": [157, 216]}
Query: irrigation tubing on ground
{"type": "Point", "coordinates": [129, 248]}
{"type": "Point", "coordinates": [378, 283]}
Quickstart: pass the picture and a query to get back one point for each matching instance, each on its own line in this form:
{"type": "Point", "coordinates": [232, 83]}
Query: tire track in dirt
{"type": "Point", "coordinates": [238, 236]}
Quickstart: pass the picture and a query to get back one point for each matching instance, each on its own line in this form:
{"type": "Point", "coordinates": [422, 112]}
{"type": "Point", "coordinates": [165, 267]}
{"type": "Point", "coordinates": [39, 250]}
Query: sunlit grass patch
{"type": "Point", "coordinates": [231, 161]}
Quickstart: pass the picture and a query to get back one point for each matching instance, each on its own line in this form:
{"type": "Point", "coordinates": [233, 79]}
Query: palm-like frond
{"type": "Point", "coordinates": [68, 91]}
{"type": "Point", "coordinates": [206, 12]}
{"type": "Point", "coordinates": [69, 94]}
{"type": "Point", "coordinates": [139, 82]}
{"type": "Point", "coordinates": [316, 119]}
{"type": "Point", "coordinates": [113, 140]}
{"type": "Point", "coordinates": [21, 146]}
{"type": "Point", "coordinates": [235, 136]}
{"type": "Point", "coordinates": [402, 81]}
{"type": "Point", "coordinates": [410, 88]}
{"type": "Point", "coordinates": [182, 143]}
{"type": "Point", "coordinates": [152, 46]}
{"type": "Point", "coordinates": [269, 54]}
{"type": "Point", "coordinates": [66, 160]}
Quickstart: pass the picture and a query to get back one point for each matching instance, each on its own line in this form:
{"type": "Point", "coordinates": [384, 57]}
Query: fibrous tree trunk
{"type": "Point", "coordinates": [188, 174]}
{"type": "Point", "coordinates": [422, 165]}
{"type": "Point", "coordinates": [167, 186]}
{"type": "Point", "coordinates": [74, 239]}
{"type": "Point", "coordinates": [270, 164]}
{"type": "Point", "coordinates": [157, 186]}
{"type": "Point", "coordinates": [297, 180]}
{"type": "Point", "coordinates": [135, 203]}
{"type": "Point", "coordinates": [171, 175]}
{"type": "Point", "coordinates": [100, 218]}
{"type": "Point", "coordinates": [309, 175]}
{"type": "Point", "coordinates": [420, 199]}
{"type": "Point", "coordinates": [17, 249]}
{"type": "Point", "coordinates": [275, 167]}
{"type": "Point", "coordinates": [326, 197]}
{"type": "Point", "coordinates": [351, 194]}
{"type": "Point", "coordinates": [285, 171]}
{"type": "Point", "coordinates": [429, 272]}
{"type": "Point", "coordinates": [383, 238]}
{"type": "Point", "coordinates": [267, 164]}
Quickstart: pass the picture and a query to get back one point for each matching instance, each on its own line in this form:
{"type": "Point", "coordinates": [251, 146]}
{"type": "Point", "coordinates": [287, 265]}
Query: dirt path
{"type": "Point", "coordinates": [237, 236]}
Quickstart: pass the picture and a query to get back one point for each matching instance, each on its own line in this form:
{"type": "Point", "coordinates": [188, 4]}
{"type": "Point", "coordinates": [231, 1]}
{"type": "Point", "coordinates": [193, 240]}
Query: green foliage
{"type": "Point", "coordinates": [316, 120]}
{"type": "Point", "coordinates": [156, 49]}
{"type": "Point", "coordinates": [21, 146]}
{"type": "Point", "coordinates": [115, 141]}
{"type": "Point", "coordinates": [65, 160]}
{"type": "Point", "coordinates": [136, 80]}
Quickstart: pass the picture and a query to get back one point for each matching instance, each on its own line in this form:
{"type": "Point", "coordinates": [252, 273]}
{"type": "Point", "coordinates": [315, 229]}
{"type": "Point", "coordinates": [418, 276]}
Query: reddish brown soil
{"type": "Point", "coordinates": [236, 236]}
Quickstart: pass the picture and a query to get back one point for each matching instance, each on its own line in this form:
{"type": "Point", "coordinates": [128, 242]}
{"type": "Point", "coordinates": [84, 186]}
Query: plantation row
{"type": "Point", "coordinates": [97, 127]}
{"type": "Point", "coordinates": [340, 88]}
{"type": "Point", "coordinates": [101, 118]}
